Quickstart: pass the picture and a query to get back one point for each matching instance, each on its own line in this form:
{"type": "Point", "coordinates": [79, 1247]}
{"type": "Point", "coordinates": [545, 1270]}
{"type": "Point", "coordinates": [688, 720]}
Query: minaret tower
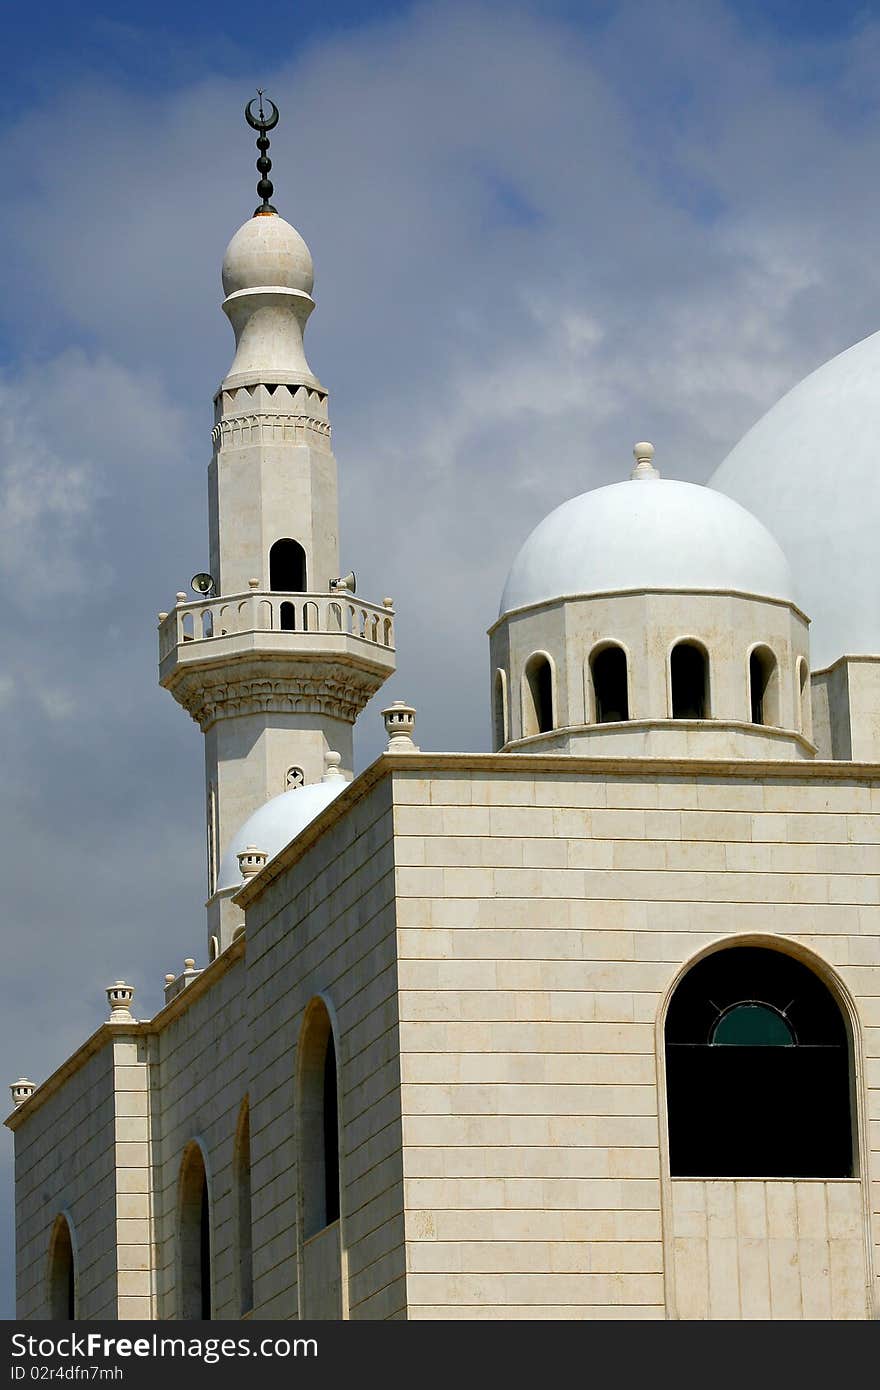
{"type": "Point", "coordinates": [277, 658]}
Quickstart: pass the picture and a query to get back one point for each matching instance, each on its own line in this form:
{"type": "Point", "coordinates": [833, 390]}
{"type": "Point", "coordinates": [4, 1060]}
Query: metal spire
{"type": "Point", "coordinates": [262, 123]}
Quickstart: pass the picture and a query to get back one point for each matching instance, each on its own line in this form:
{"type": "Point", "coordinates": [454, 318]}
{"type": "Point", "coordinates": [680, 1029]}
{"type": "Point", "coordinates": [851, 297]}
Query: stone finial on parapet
{"type": "Point", "coordinates": [119, 997]}
{"type": "Point", "coordinates": [251, 860]}
{"type": "Point", "coordinates": [332, 766]}
{"type": "Point", "coordinates": [643, 454]}
{"type": "Point", "coordinates": [22, 1090]}
{"type": "Point", "coordinates": [400, 722]}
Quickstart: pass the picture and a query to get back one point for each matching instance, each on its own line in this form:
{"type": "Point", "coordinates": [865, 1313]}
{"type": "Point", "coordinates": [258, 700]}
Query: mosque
{"type": "Point", "coordinates": [584, 1027]}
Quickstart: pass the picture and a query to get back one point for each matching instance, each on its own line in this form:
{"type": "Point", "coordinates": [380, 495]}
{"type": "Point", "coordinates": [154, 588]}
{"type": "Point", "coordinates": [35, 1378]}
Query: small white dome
{"type": "Point", "coordinates": [267, 251]}
{"type": "Point", "coordinates": [647, 533]}
{"type": "Point", "coordinates": [808, 469]}
{"type": "Point", "coordinates": [272, 827]}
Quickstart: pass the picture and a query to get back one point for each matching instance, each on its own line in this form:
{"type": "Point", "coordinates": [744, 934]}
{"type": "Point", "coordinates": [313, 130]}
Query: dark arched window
{"type": "Point", "coordinates": [608, 674]}
{"type": "Point", "coordinates": [242, 1175]}
{"type": "Point", "coordinates": [764, 686]}
{"type": "Point", "coordinates": [331, 1135]}
{"type": "Point", "coordinates": [537, 696]}
{"type": "Point", "coordinates": [757, 1070]}
{"type": "Point", "coordinates": [287, 568]}
{"type": "Point", "coordinates": [287, 617]}
{"type": "Point", "coordinates": [689, 678]}
{"type": "Point", "coordinates": [319, 1122]}
{"type": "Point", "coordinates": [62, 1273]}
{"type": "Point", "coordinates": [194, 1232]}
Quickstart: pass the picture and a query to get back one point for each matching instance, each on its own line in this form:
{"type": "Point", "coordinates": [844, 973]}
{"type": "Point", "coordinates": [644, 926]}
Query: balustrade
{"type": "Point", "coordinates": [206, 620]}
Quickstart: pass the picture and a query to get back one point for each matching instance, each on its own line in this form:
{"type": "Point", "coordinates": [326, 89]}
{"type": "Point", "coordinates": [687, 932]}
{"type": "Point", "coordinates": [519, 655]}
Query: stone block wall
{"type": "Point", "coordinates": [542, 919]}
{"type": "Point", "coordinates": [65, 1162]}
{"type": "Point", "coordinates": [326, 927]}
{"type": "Point", "coordinates": [199, 1086]}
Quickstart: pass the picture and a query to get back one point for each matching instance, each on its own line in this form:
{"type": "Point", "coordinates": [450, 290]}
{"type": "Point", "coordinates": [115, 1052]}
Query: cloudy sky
{"type": "Point", "coordinates": [541, 231]}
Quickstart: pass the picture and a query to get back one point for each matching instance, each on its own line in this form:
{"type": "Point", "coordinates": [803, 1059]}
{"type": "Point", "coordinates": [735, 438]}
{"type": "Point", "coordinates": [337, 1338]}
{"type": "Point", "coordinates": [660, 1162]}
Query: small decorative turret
{"type": "Point", "coordinates": [119, 997]}
{"type": "Point", "coordinates": [251, 860]}
{"type": "Point", "coordinates": [22, 1090]}
{"type": "Point", "coordinates": [400, 723]}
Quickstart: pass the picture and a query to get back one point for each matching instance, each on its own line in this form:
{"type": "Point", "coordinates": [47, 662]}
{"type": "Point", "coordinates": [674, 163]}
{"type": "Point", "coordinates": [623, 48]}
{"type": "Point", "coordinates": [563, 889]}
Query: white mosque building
{"type": "Point", "coordinates": [584, 1027]}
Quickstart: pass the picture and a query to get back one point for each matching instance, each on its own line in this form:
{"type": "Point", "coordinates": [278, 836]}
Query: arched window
{"type": "Point", "coordinates": [287, 617]}
{"type": "Point", "coordinates": [194, 1237]}
{"type": "Point", "coordinates": [499, 710]}
{"type": "Point", "coordinates": [244, 1240]}
{"type": "Point", "coordinates": [764, 687]}
{"type": "Point", "coordinates": [757, 1070]}
{"type": "Point", "coordinates": [62, 1273]}
{"type": "Point", "coordinates": [537, 696]}
{"type": "Point", "coordinates": [609, 677]}
{"type": "Point", "coordinates": [287, 568]}
{"type": "Point", "coordinates": [319, 1122]}
{"type": "Point", "coordinates": [804, 697]}
{"type": "Point", "coordinates": [689, 680]}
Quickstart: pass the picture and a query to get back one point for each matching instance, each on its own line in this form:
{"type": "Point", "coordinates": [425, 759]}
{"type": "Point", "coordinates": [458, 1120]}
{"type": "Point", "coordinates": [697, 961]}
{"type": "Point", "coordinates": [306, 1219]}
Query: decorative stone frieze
{"type": "Point", "coordinates": [267, 429]}
{"type": "Point", "coordinates": [327, 695]}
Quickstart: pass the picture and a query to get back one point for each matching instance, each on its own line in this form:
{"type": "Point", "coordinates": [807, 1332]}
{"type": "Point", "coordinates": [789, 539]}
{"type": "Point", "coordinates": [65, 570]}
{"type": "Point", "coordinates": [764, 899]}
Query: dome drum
{"type": "Point", "coordinates": [610, 673]}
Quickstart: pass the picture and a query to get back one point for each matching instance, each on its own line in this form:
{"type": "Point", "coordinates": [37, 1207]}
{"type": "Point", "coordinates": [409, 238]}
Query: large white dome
{"type": "Point", "coordinates": [809, 470]}
{"type": "Point", "coordinates": [647, 533]}
{"type": "Point", "coordinates": [277, 822]}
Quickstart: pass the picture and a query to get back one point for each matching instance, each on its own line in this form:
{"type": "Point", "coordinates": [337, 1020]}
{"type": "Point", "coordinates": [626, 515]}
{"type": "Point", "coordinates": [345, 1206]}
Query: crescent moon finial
{"type": "Point", "coordinates": [263, 122]}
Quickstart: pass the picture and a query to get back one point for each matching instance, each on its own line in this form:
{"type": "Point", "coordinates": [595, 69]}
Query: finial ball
{"type": "Point", "coordinates": [643, 453]}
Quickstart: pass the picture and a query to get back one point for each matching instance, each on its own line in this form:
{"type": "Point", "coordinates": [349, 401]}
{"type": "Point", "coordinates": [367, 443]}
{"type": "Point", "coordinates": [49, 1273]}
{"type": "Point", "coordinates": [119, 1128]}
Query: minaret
{"type": "Point", "coordinates": [277, 658]}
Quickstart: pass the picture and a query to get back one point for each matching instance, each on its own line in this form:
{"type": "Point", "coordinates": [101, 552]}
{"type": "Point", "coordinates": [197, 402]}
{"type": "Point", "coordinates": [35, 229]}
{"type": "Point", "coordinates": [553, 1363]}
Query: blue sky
{"type": "Point", "coordinates": [540, 232]}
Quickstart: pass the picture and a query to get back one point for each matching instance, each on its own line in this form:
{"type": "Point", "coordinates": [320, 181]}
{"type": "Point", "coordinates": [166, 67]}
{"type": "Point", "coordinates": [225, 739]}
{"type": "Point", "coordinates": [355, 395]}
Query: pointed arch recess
{"type": "Point", "coordinates": [195, 1300]}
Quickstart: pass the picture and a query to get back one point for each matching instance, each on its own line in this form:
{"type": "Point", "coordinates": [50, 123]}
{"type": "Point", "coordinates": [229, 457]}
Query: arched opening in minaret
{"type": "Point", "coordinates": [319, 1121]}
{"type": "Point", "coordinates": [764, 686]}
{"type": "Point", "coordinates": [537, 695]}
{"type": "Point", "coordinates": [689, 681]}
{"type": "Point", "coordinates": [244, 1239]}
{"type": "Point", "coordinates": [287, 567]}
{"type": "Point", "coordinates": [62, 1273]}
{"type": "Point", "coordinates": [759, 1070]}
{"type": "Point", "coordinates": [609, 676]}
{"type": "Point", "coordinates": [194, 1237]}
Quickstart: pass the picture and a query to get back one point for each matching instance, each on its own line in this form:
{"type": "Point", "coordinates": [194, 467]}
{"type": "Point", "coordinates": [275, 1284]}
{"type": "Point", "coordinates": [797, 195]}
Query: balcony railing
{"type": "Point", "coordinates": [207, 619]}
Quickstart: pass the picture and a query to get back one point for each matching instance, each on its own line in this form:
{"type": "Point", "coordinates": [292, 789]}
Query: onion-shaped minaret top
{"type": "Point", "coordinates": [267, 281]}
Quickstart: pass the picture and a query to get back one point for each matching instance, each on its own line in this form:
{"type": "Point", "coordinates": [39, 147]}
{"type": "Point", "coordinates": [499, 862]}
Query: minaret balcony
{"type": "Point", "coordinates": [276, 632]}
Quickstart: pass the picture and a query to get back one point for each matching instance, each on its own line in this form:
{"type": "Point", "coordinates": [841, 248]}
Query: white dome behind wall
{"type": "Point", "coordinates": [809, 469]}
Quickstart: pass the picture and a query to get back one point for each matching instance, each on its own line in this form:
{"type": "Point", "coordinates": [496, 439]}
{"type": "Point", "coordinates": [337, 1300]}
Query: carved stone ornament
{"type": "Point", "coordinates": [337, 699]}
